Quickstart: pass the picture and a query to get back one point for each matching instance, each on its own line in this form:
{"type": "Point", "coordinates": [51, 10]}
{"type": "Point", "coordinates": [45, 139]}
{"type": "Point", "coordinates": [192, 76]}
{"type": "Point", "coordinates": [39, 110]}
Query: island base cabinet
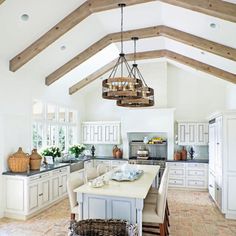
{"type": "Point", "coordinates": [25, 196]}
{"type": "Point", "coordinates": [105, 207]}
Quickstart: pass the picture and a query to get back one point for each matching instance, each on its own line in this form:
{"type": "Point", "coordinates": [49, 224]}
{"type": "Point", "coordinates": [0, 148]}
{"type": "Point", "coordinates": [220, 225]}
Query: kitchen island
{"type": "Point", "coordinates": [117, 200]}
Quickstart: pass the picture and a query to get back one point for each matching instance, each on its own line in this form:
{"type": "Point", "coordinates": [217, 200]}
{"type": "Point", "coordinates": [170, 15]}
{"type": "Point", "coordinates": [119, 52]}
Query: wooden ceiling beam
{"type": "Point", "coordinates": [217, 8]}
{"type": "Point", "coordinates": [1, 1]}
{"type": "Point", "coordinates": [86, 9]}
{"type": "Point", "coordinates": [225, 75]}
{"type": "Point", "coordinates": [157, 54]}
{"type": "Point", "coordinates": [180, 36]}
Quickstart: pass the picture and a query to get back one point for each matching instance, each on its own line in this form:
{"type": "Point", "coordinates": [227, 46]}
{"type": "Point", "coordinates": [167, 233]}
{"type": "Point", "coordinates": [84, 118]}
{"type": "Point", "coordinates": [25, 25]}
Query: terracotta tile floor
{"type": "Point", "coordinates": [192, 214]}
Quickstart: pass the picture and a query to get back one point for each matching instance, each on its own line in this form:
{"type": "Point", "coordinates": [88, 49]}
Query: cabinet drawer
{"type": "Point", "coordinates": [107, 163]}
{"type": "Point", "coordinates": [60, 171]}
{"type": "Point", "coordinates": [197, 165]}
{"type": "Point", "coordinates": [177, 172]}
{"type": "Point", "coordinates": [196, 173]}
{"type": "Point", "coordinates": [175, 164]}
{"type": "Point", "coordinates": [196, 183]}
{"type": "Point", "coordinates": [39, 177]}
{"type": "Point", "coordinates": [176, 182]}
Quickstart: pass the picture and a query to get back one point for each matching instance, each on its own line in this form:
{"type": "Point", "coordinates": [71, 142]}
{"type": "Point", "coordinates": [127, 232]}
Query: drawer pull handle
{"type": "Point", "coordinates": [60, 186]}
{"type": "Point", "coordinates": [210, 186]}
{"type": "Point", "coordinates": [41, 194]}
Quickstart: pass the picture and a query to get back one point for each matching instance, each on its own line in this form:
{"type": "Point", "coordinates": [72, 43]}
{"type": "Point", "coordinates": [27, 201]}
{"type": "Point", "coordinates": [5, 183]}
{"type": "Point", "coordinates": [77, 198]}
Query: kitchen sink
{"type": "Point", "coordinates": [75, 164]}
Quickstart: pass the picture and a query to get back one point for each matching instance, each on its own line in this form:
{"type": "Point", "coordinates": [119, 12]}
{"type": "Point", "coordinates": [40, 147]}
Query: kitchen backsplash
{"type": "Point", "coordinates": [103, 149]}
{"type": "Point", "coordinates": [200, 152]}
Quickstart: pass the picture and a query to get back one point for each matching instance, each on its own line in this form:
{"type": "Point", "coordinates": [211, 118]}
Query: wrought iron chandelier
{"type": "Point", "coordinates": [121, 87]}
{"type": "Point", "coordinates": [147, 98]}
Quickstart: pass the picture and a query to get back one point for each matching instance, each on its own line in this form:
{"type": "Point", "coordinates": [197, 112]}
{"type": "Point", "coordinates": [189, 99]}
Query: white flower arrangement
{"type": "Point", "coordinates": [77, 149]}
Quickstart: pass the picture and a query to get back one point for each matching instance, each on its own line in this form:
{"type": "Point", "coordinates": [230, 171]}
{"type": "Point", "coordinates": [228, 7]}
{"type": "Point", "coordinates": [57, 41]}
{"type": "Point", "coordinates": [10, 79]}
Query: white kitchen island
{"type": "Point", "coordinates": [117, 200]}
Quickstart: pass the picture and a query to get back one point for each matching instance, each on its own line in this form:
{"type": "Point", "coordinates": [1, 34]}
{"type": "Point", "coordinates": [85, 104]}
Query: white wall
{"type": "Point", "coordinates": [194, 95]}
{"type": "Point", "coordinates": [231, 96]}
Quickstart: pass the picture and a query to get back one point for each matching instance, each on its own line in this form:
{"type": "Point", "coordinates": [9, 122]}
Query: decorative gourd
{"type": "Point", "coordinates": [115, 148]}
{"type": "Point", "coordinates": [35, 160]}
{"type": "Point", "coordinates": [184, 154]}
{"type": "Point", "coordinates": [19, 161]}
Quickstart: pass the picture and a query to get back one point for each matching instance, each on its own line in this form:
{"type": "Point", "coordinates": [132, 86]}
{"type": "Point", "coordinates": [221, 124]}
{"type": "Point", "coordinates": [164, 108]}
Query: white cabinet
{"type": "Point", "coordinates": [25, 196]}
{"type": "Point", "coordinates": [39, 191]}
{"type": "Point", "coordinates": [222, 161]}
{"type": "Point", "coordinates": [188, 175]}
{"type": "Point", "coordinates": [58, 182]}
{"type": "Point", "coordinates": [177, 174]}
{"type": "Point", "coordinates": [192, 133]}
{"type": "Point", "coordinates": [101, 132]}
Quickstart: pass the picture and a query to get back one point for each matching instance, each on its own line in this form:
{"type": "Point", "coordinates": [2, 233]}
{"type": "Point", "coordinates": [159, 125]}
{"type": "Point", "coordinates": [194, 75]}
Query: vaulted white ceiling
{"type": "Point", "coordinates": [17, 34]}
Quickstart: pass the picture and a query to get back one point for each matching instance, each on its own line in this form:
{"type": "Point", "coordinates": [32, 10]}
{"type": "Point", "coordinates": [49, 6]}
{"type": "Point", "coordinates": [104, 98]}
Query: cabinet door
{"type": "Point", "coordinates": [191, 133]}
{"type": "Point", "coordinates": [182, 131]}
{"type": "Point", "coordinates": [45, 192]}
{"type": "Point", "coordinates": [111, 133]}
{"type": "Point", "coordinates": [86, 134]}
{"type": "Point", "coordinates": [212, 146]}
{"type": "Point", "coordinates": [202, 134]}
{"type": "Point", "coordinates": [55, 187]}
{"type": "Point", "coordinates": [33, 196]}
{"type": "Point", "coordinates": [211, 186]}
{"type": "Point", "coordinates": [218, 161]}
{"type": "Point", "coordinates": [62, 186]}
{"type": "Point", "coordinates": [96, 133]}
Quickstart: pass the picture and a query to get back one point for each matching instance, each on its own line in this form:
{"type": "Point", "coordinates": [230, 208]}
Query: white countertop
{"type": "Point", "coordinates": [135, 189]}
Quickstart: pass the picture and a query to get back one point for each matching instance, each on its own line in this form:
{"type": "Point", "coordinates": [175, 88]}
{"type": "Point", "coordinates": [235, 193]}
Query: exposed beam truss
{"type": "Point", "coordinates": [157, 54]}
{"type": "Point", "coordinates": [216, 8]}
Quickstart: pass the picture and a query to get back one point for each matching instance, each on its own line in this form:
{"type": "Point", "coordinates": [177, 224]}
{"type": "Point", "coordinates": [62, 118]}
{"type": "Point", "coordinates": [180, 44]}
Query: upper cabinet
{"type": "Point", "coordinates": [101, 132]}
{"type": "Point", "coordinates": [192, 133]}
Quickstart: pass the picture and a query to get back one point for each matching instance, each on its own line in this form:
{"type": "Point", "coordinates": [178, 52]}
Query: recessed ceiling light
{"type": "Point", "coordinates": [25, 17]}
{"type": "Point", "coordinates": [63, 47]}
{"type": "Point", "coordinates": [213, 25]}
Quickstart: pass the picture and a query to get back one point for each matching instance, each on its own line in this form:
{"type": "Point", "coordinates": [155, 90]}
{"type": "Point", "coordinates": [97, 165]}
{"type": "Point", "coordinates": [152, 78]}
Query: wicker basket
{"type": "Point", "coordinates": [99, 227]}
{"type": "Point", "coordinates": [35, 160]}
{"type": "Point", "coordinates": [19, 161]}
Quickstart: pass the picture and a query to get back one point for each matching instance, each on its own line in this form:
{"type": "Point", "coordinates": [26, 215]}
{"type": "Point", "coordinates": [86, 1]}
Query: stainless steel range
{"type": "Point", "coordinates": [157, 155]}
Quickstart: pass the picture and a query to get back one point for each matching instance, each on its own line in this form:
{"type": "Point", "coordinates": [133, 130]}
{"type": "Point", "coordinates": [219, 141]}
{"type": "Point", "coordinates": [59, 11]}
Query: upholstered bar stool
{"type": "Point", "coordinates": [154, 214]}
{"type": "Point", "coordinates": [153, 192]}
{"type": "Point", "coordinates": [74, 181]}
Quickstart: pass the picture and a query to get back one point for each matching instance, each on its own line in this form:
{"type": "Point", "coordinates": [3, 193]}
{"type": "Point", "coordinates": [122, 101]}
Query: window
{"type": "Point", "coordinates": [53, 125]}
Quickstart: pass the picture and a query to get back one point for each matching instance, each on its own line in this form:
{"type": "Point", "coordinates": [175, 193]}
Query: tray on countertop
{"type": "Point", "coordinates": [126, 175]}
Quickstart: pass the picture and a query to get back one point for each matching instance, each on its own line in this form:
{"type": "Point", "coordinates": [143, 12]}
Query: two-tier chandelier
{"type": "Point", "coordinates": [147, 97]}
{"type": "Point", "coordinates": [122, 87]}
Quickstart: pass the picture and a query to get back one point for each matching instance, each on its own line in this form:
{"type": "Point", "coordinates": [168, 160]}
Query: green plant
{"type": "Point", "coordinates": [77, 149]}
{"type": "Point", "coordinates": [51, 151]}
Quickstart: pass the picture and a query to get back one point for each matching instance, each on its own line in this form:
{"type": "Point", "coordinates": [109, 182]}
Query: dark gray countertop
{"type": "Point", "coordinates": [35, 172]}
{"type": "Point", "coordinates": [109, 158]}
{"type": "Point", "coordinates": [193, 161]}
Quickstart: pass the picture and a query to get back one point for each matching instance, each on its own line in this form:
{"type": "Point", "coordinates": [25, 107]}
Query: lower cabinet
{"type": "Point", "coordinates": [188, 175]}
{"type": "Point", "coordinates": [25, 196]}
